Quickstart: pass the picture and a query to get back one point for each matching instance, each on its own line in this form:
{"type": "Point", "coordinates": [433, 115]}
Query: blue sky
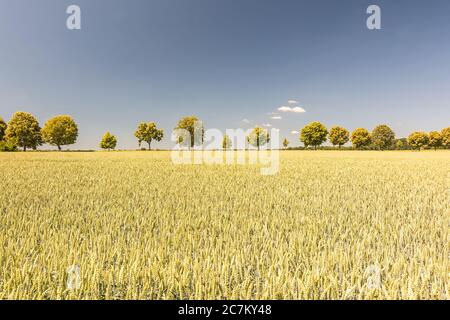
{"type": "Point", "coordinates": [225, 61]}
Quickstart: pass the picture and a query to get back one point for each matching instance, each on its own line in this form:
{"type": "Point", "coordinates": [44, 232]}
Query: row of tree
{"type": "Point", "coordinates": [23, 131]}
{"type": "Point", "coordinates": [382, 138]}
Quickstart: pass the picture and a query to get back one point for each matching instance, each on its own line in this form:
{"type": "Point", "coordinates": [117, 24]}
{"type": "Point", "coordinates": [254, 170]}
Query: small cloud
{"type": "Point", "coordinates": [292, 101]}
{"type": "Point", "coordinates": [267, 125]}
{"type": "Point", "coordinates": [290, 109]}
{"type": "Point", "coordinates": [246, 121]}
{"type": "Point", "coordinates": [294, 132]}
{"type": "Point", "coordinates": [276, 117]}
{"type": "Point", "coordinates": [298, 110]}
{"type": "Point", "coordinates": [284, 109]}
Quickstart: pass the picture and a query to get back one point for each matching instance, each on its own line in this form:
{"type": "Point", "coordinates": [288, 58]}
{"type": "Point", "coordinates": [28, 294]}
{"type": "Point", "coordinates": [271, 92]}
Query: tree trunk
{"type": "Point", "coordinates": [149, 145]}
{"type": "Point", "coordinates": [59, 148]}
{"type": "Point", "coordinates": [24, 149]}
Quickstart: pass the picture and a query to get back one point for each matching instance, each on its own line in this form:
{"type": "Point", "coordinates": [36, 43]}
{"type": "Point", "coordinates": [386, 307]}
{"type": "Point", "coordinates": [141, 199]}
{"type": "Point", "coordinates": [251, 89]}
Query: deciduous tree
{"type": "Point", "coordinates": [435, 139]}
{"type": "Point", "coordinates": [418, 140]}
{"type": "Point", "coordinates": [445, 134]}
{"type": "Point", "coordinates": [8, 146]}
{"type": "Point", "coordinates": [23, 128]}
{"type": "Point", "coordinates": [226, 142]}
{"type": "Point", "coordinates": [108, 142]}
{"type": "Point", "coordinates": [60, 131]}
{"type": "Point", "coordinates": [314, 134]}
{"type": "Point", "coordinates": [339, 136]}
{"type": "Point", "coordinates": [190, 131]}
{"type": "Point", "coordinates": [285, 143]}
{"type": "Point", "coordinates": [383, 137]}
{"type": "Point", "coordinates": [360, 138]}
{"type": "Point", "coordinates": [258, 137]}
{"type": "Point", "coordinates": [3, 127]}
{"type": "Point", "coordinates": [148, 132]}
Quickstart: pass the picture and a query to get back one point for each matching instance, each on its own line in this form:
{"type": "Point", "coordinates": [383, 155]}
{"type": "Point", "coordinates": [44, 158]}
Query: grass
{"type": "Point", "coordinates": [140, 227]}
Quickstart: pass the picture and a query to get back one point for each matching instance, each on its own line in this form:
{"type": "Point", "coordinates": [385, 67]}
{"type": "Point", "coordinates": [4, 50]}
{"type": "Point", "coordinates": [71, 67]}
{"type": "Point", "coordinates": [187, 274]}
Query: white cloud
{"type": "Point", "coordinates": [294, 132]}
{"type": "Point", "coordinates": [276, 117]}
{"type": "Point", "coordinates": [298, 110]}
{"type": "Point", "coordinates": [245, 120]}
{"type": "Point", "coordinates": [292, 101]}
{"type": "Point", "coordinates": [284, 109]}
{"type": "Point", "coordinates": [290, 109]}
{"type": "Point", "coordinates": [267, 125]}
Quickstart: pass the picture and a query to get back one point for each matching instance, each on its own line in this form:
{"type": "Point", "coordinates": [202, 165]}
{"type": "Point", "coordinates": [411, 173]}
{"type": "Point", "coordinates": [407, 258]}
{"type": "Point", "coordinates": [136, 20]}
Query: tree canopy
{"type": "Point", "coordinates": [226, 142]}
{"type": "Point", "coordinates": [60, 131]}
{"type": "Point", "coordinates": [23, 128]}
{"type": "Point", "coordinates": [258, 137]}
{"type": "Point", "coordinates": [190, 131]}
{"type": "Point", "coordinates": [339, 136]}
{"type": "Point", "coordinates": [108, 141]}
{"type": "Point", "coordinates": [148, 132]}
{"type": "Point", "coordinates": [313, 134]}
{"type": "Point", "coordinates": [445, 134]}
{"type": "Point", "coordinates": [3, 127]}
{"type": "Point", "coordinates": [418, 140]}
{"type": "Point", "coordinates": [361, 138]}
{"type": "Point", "coordinates": [383, 137]}
{"type": "Point", "coordinates": [435, 139]}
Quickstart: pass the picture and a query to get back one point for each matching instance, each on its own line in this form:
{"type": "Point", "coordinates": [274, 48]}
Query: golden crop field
{"type": "Point", "coordinates": [330, 225]}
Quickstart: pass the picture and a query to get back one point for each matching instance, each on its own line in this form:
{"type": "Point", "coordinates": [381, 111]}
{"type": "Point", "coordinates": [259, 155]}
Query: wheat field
{"type": "Point", "coordinates": [330, 225]}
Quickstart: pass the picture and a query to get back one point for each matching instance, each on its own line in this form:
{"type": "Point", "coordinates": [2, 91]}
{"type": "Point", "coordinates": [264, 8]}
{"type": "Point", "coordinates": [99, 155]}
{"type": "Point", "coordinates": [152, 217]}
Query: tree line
{"type": "Point", "coordinates": [23, 131]}
{"type": "Point", "coordinates": [382, 137]}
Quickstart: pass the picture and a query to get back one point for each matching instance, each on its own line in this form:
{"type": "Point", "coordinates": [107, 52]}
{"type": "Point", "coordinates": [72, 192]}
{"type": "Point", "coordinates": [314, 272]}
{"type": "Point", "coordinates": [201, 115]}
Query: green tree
{"type": "Point", "coordinates": [226, 142]}
{"type": "Point", "coordinates": [445, 134]}
{"type": "Point", "coordinates": [404, 142]}
{"type": "Point", "coordinates": [148, 132]}
{"type": "Point", "coordinates": [435, 139]}
{"type": "Point", "coordinates": [190, 131]}
{"type": "Point", "coordinates": [383, 137]}
{"type": "Point", "coordinates": [314, 134]}
{"type": "Point", "coordinates": [418, 140]}
{"type": "Point", "coordinates": [339, 136]}
{"type": "Point", "coordinates": [8, 146]}
{"type": "Point", "coordinates": [360, 138]}
{"type": "Point", "coordinates": [3, 127]}
{"type": "Point", "coordinates": [258, 137]}
{"type": "Point", "coordinates": [108, 142]}
{"type": "Point", "coordinates": [23, 128]}
{"type": "Point", "coordinates": [285, 143]}
{"type": "Point", "coordinates": [60, 131]}
{"type": "Point", "coordinates": [399, 145]}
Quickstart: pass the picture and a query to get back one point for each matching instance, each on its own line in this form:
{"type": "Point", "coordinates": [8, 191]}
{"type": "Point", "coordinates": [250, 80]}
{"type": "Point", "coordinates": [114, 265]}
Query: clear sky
{"type": "Point", "coordinates": [226, 61]}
